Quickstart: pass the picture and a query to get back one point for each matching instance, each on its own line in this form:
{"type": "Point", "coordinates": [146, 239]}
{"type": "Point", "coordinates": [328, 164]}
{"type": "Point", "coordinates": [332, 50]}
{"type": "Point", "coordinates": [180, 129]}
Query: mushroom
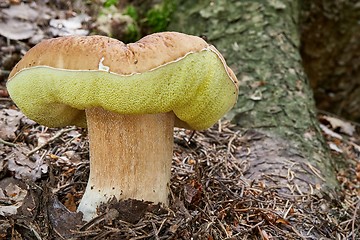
{"type": "Point", "coordinates": [130, 96]}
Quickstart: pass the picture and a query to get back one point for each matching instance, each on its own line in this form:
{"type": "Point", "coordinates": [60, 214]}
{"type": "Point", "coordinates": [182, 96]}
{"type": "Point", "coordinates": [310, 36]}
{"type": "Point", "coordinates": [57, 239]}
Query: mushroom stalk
{"type": "Point", "coordinates": [130, 158]}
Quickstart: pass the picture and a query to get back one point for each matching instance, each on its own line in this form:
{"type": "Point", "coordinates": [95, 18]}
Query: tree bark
{"type": "Point", "coordinates": [275, 113]}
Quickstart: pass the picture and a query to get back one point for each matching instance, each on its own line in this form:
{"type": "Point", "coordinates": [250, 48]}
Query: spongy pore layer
{"type": "Point", "coordinates": [196, 88]}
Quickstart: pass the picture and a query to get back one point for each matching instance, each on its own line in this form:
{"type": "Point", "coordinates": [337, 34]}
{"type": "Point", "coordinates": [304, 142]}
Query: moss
{"type": "Point", "coordinates": [118, 23]}
{"type": "Point", "coordinates": [109, 3]}
{"type": "Point", "coordinates": [131, 22]}
{"type": "Point", "coordinates": [132, 33]}
{"type": "Point", "coordinates": [158, 17]}
{"type": "Point", "coordinates": [131, 11]}
{"type": "Point", "coordinates": [150, 17]}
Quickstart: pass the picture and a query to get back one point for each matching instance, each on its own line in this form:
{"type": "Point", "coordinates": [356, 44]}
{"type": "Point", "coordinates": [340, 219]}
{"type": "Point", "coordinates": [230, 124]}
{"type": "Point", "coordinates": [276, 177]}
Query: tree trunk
{"type": "Point", "coordinates": [275, 112]}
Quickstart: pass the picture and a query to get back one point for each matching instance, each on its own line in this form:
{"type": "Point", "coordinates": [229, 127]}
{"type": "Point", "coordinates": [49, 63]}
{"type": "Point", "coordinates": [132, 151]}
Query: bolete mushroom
{"type": "Point", "coordinates": [129, 96]}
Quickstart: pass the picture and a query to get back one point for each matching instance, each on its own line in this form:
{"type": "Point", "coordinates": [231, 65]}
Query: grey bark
{"type": "Point", "coordinates": [275, 113]}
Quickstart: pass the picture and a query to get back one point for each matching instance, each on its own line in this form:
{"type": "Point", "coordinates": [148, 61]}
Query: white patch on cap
{"type": "Point", "coordinates": [102, 67]}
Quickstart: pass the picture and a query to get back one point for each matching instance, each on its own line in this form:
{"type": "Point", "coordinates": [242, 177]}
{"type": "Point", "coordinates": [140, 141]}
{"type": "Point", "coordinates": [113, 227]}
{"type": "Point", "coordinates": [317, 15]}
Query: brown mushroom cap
{"type": "Point", "coordinates": [162, 72]}
{"type": "Point", "coordinates": [86, 52]}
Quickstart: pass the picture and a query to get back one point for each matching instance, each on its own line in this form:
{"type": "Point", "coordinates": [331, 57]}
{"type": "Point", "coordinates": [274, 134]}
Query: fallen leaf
{"type": "Point", "coordinates": [69, 202]}
{"type": "Point", "coordinates": [62, 220]}
{"type": "Point", "coordinates": [21, 11]}
{"type": "Point", "coordinates": [16, 29]}
{"type": "Point", "coordinates": [42, 138]}
{"type": "Point", "coordinates": [25, 168]}
{"type": "Point", "coordinates": [12, 197]}
{"type": "Point", "coordinates": [193, 192]}
{"type": "Point", "coordinates": [334, 147]}
{"type": "Point", "coordinates": [338, 124]}
{"type": "Point", "coordinates": [330, 132]}
{"type": "Point", "coordinates": [21, 21]}
{"type": "Point", "coordinates": [70, 26]}
{"type": "Point", "coordinates": [9, 123]}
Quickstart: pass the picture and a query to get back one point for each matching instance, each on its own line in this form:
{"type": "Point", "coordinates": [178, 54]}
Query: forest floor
{"type": "Point", "coordinates": [44, 171]}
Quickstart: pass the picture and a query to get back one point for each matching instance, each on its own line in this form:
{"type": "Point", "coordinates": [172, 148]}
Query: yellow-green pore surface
{"type": "Point", "coordinates": [196, 88]}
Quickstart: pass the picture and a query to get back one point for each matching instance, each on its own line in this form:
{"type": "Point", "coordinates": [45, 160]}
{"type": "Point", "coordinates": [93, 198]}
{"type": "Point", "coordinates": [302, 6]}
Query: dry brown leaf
{"type": "Point", "coordinates": [12, 197]}
{"type": "Point", "coordinates": [23, 167]}
{"type": "Point", "coordinates": [42, 138]}
{"type": "Point", "coordinates": [193, 192]}
{"type": "Point", "coordinates": [9, 123]}
{"type": "Point", "coordinates": [69, 202]}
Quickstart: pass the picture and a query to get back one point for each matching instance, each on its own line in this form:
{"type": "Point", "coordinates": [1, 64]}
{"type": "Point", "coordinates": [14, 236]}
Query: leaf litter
{"type": "Point", "coordinates": [44, 171]}
{"type": "Point", "coordinates": [210, 198]}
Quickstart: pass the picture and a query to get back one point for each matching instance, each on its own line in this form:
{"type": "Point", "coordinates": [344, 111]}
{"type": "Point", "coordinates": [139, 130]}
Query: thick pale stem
{"type": "Point", "coordinates": [130, 157]}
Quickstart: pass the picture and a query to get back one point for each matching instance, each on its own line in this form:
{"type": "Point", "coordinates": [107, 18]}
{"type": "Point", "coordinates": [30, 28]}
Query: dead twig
{"type": "Point", "coordinates": [7, 143]}
{"type": "Point", "coordinates": [53, 138]}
